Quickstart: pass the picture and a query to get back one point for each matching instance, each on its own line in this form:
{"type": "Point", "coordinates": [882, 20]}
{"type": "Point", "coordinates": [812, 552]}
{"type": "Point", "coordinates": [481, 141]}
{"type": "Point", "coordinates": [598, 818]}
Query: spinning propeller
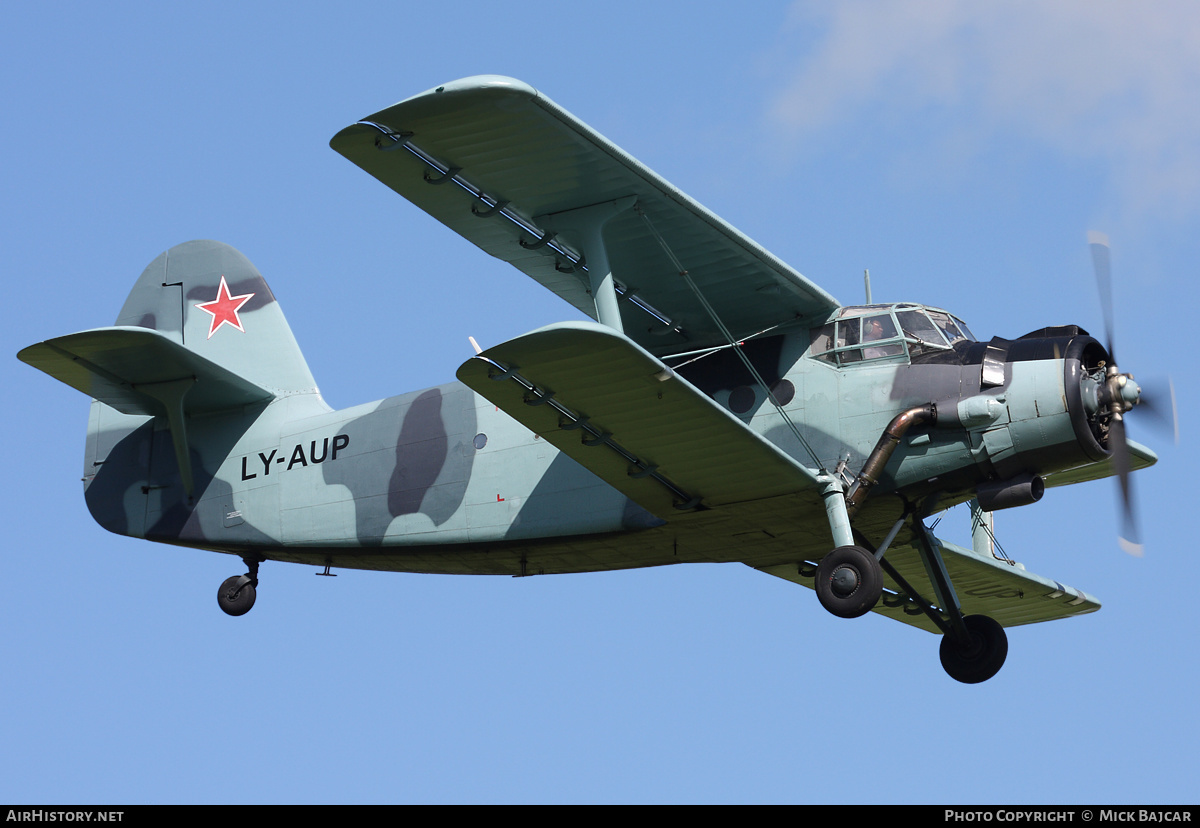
{"type": "Point", "coordinates": [1118, 394]}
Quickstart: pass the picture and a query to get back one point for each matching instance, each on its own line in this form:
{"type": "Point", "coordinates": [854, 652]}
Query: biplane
{"type": "Point", "coordinates": [721, 407]}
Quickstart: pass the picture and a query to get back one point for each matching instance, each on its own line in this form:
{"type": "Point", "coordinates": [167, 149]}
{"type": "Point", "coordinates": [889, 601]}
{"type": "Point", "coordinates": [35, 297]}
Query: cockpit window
{"type": "Point", "coordinates": [947, 325]}
{"type": "Point", "coordinates": [921, 333]}
{"type": "Point", "coordinates": [870, 332]}
{"type": "Point", "coordinates": [848, 332]}
{"type": "Point", "coordinates": [822, 340]}
{"type": "Point", "coordinates": [857, 339]}
{"type": "Point", "coordinates": [878, 327]}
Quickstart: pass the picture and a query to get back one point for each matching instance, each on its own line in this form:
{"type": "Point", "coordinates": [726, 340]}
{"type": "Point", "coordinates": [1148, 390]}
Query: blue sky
{"type": "Point", "coordinates": [959, 150]}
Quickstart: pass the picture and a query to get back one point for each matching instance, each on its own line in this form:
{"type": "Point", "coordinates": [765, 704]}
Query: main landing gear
{"type": "Point", "coordinates": [236, 595]}
{"type": "Point", "coordinates": [849, 583]}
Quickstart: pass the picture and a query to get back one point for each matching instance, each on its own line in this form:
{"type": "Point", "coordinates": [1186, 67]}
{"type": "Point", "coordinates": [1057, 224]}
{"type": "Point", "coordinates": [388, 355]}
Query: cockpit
{"type": "Point", "coordinates": [892, 333]}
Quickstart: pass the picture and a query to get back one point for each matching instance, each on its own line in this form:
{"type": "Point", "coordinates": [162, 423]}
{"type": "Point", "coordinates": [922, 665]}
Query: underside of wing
{"type": "Point", "coordinates": [1140, 457]}
{"type": "Point", "coordinates": [985, 585]}
{"type": "Point", "coordinates": [500, 164]}
{"type": "Point", "coordinates": [625, 416]}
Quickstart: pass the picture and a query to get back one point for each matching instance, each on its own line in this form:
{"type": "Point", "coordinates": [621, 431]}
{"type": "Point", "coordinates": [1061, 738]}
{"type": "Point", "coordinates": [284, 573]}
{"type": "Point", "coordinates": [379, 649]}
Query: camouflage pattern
{"type": "Point", "coordinates": [440, 481]}
{"type": "Point", "coordinates": [222, 441]}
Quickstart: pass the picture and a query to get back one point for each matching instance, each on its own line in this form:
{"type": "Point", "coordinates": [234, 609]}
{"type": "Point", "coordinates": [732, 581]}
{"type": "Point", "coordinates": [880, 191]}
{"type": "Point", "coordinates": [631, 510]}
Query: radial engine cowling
{"type": "Point", "coordinates": [1054, 382]}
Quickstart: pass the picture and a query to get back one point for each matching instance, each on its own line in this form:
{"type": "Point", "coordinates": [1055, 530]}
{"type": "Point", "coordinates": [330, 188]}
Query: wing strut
{"type": "Point", "coordinates": [589, 222]}
{"type": "Point", "coordinates": [567, 260]}
{"type": "Point", "coordinates": [742, 356]}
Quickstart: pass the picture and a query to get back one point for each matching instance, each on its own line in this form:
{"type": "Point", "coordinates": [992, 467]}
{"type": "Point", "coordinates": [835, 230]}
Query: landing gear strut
{"type": "Point", "coordinates": [849, 583]}
{"type": "Point", "coordinates": [237, 594]}
{"type": "Point", "coordinates": [849, 580]}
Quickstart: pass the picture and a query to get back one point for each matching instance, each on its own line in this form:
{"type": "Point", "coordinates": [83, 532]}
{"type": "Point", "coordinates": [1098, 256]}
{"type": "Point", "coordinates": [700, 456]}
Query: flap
{"type": "Point", "coordinates": [494, 145]}
{"type": "Point", "coordinates": [625, 416]}
{"type": "Point", "coordinates": [129, 368]}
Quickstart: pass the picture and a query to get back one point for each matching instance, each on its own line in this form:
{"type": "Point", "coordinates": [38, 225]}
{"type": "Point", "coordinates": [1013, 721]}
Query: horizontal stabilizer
{"type": "Point", "coordinates": [141, 371]}
{"type": "Point", "coordinates": [625, 416]}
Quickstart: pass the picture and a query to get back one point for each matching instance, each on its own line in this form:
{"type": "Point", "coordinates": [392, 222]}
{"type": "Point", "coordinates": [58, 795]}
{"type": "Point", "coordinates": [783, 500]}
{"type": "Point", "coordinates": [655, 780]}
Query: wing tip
{"type": "Point", "coordinates": [473, 85]}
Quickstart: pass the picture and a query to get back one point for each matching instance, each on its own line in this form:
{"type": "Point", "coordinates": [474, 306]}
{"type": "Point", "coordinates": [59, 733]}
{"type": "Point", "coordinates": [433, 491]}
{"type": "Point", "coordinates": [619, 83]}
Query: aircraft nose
{"type": "Point", "coordinates": [1129, 391]}
{"type": "Point", "coordinates": [1088, 393]}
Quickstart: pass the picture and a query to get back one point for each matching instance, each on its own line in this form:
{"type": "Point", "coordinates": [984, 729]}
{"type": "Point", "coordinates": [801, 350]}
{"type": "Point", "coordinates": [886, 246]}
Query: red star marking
{"type": "Point", "coordinates": [224, 309]}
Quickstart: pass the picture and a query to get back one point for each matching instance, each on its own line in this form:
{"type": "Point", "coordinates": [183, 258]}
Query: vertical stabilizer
{"type": "Point", "coordinates": [200, 350]}
{"type": "Point", "coordinates": [213, 301]}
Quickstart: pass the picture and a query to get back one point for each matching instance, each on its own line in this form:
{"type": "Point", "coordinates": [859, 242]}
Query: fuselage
{"type": "Point", "coordinates": [441, 480]}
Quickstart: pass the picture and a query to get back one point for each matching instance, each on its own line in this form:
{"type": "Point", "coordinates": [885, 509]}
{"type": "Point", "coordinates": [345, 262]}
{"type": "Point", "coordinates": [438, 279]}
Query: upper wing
{"type": "Point", "coordinates": [496, 146]}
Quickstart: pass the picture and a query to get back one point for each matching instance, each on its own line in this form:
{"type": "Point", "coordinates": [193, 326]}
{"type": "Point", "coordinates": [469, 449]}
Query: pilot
{"type": "Point", "coordinates": [873, 332]}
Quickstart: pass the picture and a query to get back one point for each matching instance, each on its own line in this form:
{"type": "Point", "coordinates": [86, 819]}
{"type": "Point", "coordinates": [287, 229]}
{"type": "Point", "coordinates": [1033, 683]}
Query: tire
{"type": "Point", "coordinates": [982, 658]}
{"type": "Point", "coordinates": [849, 581]}
{"type": "Point", "coordinates": [236, 595]}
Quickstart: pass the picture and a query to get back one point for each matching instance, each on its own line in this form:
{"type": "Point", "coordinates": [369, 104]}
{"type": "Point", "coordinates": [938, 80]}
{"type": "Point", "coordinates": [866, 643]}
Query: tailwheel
{"type": "Point", "coordinates": [980, 658]}
{"type": "Point", "coordinates": [849, 581]}
{"type": "Point", "coordinates": [236, 595]}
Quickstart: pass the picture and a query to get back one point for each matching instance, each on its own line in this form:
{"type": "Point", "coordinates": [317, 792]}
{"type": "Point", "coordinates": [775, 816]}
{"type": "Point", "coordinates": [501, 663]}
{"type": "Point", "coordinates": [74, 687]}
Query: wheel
{"type": "Point", "coordinates": [236, 595]}
{"type": "Point", "coordinates": [849, 581]}
{"type": "Point", "coordinates": [982, 658]}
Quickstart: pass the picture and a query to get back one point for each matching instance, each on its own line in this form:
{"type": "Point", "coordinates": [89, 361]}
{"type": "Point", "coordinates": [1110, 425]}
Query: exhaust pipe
{"type": "Point", "coordinates": [1005, 494]}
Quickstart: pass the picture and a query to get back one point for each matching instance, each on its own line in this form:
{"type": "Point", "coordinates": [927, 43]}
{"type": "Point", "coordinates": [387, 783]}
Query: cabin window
{"type": "Point", "coordinates": [783, 392]}
{"type": "Point", "coordinates": [741, 399]}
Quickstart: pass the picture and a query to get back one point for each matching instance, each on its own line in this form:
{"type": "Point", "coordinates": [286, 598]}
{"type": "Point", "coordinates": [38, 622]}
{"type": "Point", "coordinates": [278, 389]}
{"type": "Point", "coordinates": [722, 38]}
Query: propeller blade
{"type": "Point", "coordinates": [1102, 264]}
{"type": "Point", "coordinates": [1158, 400]}
{"type": "Point", "coordinates": [1129, 539]}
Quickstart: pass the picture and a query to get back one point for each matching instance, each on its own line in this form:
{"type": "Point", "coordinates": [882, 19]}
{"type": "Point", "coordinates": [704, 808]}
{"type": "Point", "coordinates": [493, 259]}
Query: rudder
{"type": "Point", "coordinates": [199, 350]}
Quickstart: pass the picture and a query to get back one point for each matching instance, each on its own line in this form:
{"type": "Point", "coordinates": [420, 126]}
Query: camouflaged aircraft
{"type": "Point", "coordinates": [722, 408]}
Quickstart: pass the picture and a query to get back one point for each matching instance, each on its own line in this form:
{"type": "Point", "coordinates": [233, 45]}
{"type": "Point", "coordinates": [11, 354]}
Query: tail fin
{"type": "Point", "coordinates": [209, 298]}
{"type": "Point", "coordinates": [200, 333]}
